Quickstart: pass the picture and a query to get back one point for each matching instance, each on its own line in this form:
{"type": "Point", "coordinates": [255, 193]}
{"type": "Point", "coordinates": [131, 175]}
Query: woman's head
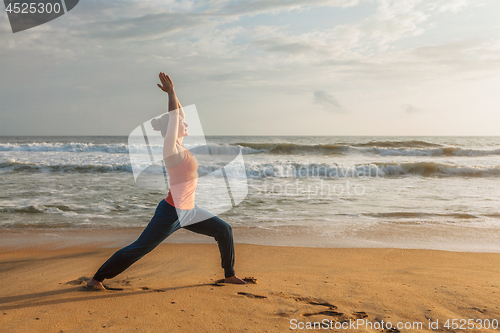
{"type": "Point", "coordinates": [161, 124]}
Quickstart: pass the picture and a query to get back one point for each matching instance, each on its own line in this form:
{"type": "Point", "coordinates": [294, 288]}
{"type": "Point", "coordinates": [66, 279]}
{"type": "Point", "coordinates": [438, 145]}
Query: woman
{"type": "Point", "coordinates": [178, 209]}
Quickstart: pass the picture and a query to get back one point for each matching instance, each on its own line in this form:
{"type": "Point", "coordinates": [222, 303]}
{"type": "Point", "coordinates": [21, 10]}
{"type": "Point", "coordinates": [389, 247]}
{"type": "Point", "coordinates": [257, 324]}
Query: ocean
{"type": "Point", "coordinates": [413, 192]}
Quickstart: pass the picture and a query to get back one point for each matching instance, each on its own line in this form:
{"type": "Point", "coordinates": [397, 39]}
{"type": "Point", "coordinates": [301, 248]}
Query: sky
{"type": "Point", "coordinates": [265, 67]}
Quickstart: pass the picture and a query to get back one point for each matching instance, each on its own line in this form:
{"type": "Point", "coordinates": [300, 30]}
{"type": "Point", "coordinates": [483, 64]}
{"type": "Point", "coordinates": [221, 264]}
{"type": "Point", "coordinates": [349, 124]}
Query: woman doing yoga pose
{"type": "Point", "coordinates": [178, 209]}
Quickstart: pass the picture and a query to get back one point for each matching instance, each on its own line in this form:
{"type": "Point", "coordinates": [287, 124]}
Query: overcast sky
{"type": "Point", "coordinates": [267, 67]}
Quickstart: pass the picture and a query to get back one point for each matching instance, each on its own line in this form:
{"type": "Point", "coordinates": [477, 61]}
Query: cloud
{"type": "Point", "coordinates": [329, 102]}
{"type": "Point", "coordinates": [453, 6]}
{"type": "Point", "coordinates": [252, 7]}
{"type": "Point", "coordinates": [411, 109]}
{"type": "Point", "coordinates": [293, 48]}
{"type": "Point", "coordinates": [371, 40]}
{"type": "Point", "coordinates": [232, 76]}
{"type": "Point", "coordinates": [281, 45]}
{"type": "Point", "coordinates": [149, 26]}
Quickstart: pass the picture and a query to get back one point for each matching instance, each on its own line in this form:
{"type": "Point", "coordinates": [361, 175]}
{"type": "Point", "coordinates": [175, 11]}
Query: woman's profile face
{"type": "Point", "coordinates": [182, 128]}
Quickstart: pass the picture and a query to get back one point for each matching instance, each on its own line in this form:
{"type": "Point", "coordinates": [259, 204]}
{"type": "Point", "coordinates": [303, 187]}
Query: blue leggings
{"type": "Point", "coordinates": [162, 225]}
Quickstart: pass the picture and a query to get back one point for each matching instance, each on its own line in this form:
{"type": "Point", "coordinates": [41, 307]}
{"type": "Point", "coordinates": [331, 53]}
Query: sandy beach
{"type": "Point", "coordinates": [175, 289]}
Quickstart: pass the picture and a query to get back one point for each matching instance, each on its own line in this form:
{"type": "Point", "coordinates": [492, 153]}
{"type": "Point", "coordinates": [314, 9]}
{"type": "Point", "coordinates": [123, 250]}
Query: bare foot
{"type": "Point", "coordinates": [234, 279]}
{"type": "Point", "coordinates": [94, 284]}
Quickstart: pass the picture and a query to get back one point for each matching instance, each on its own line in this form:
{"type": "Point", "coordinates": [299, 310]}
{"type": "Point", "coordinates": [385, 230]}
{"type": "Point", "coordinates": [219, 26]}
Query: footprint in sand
{"type": "Point", "coordinates": [151, 289]}
{"type": "Point", "coordinates": [325, 313]}
{"type": "Point", "coordinates": [331, 312]}
{"type": "Point", "coordinates": [479, 310]}
{"type": "Point", "coordinates": [250, 280]}
{"type": "Point", "coordinates": [94, 288]}
{"type": "Point", "coordinates": [221, 282]}
{"type": "Point", "coordinates": [310, 301]}
{"type": "Point", "coordinates": [82, 281]}
{"type": "Point", "coordinates": [331, 306]}
{"type": "Point", "coordinates": [359, 315]}
{"type": "Point", "coordinates": [251, 295]}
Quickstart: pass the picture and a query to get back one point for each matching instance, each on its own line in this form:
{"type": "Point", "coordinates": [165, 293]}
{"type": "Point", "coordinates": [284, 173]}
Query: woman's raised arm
{"type": "Point", "coordinates": [169, 144]}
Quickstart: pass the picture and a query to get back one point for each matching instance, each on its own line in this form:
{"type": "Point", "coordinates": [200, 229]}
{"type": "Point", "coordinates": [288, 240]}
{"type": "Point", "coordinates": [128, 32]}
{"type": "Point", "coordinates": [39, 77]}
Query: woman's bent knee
{"type": "Point", "coordinates": [225, 230]}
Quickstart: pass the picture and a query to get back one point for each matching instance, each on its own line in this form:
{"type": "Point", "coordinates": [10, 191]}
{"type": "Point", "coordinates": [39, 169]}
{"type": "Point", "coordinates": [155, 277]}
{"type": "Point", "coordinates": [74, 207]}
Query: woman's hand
{"type": "Point", "coordinates": [166, 83]}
